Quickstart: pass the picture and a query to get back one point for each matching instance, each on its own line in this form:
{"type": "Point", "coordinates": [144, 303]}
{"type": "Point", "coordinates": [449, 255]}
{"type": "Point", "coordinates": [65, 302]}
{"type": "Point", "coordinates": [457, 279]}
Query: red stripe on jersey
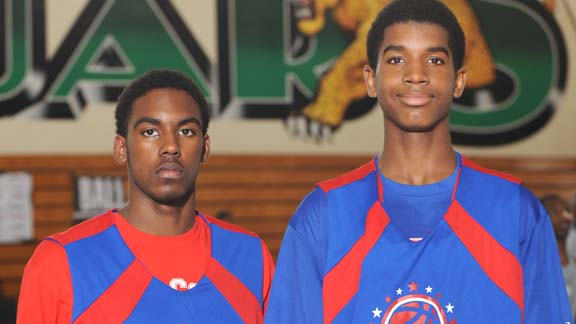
{"type": "Point", "coordinates": [227, 226]}
{"type": "Point", "coordinates": [236, 293]}
{"type": "Point", "coordinates": [496, 261]}
{"type": "Point", "coordinates": [118, 301]}
{"type": "Point", "coordinates": [85, 229]}
{"type": "Point", "coordinates": [347, 178]}
{"type": "Point", "coordinates": [341, 283]}
{"type": "Point", "coordinates": [473, 165]}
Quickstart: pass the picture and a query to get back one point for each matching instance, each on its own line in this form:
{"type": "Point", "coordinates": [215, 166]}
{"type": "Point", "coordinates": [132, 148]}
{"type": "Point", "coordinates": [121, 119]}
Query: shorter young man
{"type": "Point", "coordinates": [420, 234]}
{"type": "Point", "coordinates": [157, 259]}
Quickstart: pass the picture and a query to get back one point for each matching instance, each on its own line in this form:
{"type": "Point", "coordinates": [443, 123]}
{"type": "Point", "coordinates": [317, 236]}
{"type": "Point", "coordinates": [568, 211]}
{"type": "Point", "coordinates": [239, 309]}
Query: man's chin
{"type": "Point", "coordinates": [173, 199]}
{"type": "Point", "coordinates": [415, 128]}
{"type": "Point", "coordinates": [418, 126]}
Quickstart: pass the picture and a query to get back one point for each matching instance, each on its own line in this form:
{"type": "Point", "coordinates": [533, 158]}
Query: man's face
{"type": "Point", "coordinates": [562, 218]}
{"type": "Point", "coordinates": [415, 79]}
{"type": "Point", "coordinates": [164, 146]}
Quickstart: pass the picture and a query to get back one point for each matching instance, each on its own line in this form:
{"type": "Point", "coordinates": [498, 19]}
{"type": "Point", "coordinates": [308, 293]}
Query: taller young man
{"type": "Point", "coordinates": [156, 260]}
{"type": "Point", "coordinates": [420, 234]}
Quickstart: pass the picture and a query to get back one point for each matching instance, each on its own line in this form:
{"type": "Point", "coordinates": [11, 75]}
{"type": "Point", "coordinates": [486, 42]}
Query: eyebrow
{"type": "Point", "coordinates": [156, 122]}
{"type": "Point", "coordinates": [147, 120]}
{"type": "Point", "coordinates": [433, 49]}
{"type": "Point", "coordinates": [189, 120]}
{"type": "Point", "coordinates": [439, 49]}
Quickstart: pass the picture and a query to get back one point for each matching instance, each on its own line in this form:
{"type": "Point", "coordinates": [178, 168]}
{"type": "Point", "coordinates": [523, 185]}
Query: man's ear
{"type": "Point", "coordinates": [120, 150]}
{"type": "Point", "coordinates": [460, 82]}
{"type": "Point", "coordinates": [205, 148]}
{"type": "Point", "coordinates": [370, 81]}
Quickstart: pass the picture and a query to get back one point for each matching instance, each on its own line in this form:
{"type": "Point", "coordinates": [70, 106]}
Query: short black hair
{"type": "Point", "coordinates": [157, 79]}
{"type": "Point", "coordinates": [419, 11]}
{"type": "Point", "coordinates": [548, 201]}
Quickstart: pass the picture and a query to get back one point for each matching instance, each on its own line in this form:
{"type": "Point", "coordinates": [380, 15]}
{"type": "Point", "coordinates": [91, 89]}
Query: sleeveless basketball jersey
{"type": "Point", "coordinates": [110, 285]}
{"type": "Point", "coordinates": [491, 258]}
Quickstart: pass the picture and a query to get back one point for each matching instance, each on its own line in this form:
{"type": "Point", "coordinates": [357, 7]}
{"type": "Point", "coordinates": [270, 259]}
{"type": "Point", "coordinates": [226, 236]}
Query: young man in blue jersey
{"type": "Point", "coordinates": [420, 234]}
{"type": "Point", "coordinates": [157, 259]}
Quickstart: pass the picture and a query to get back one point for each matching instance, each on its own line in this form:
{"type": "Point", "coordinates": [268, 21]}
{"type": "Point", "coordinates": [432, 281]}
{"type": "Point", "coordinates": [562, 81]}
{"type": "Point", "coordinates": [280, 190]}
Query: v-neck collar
{"type": "Point", "coordinates": [450, 209]}
{"type": "Point", "coordinates": [201, 281]}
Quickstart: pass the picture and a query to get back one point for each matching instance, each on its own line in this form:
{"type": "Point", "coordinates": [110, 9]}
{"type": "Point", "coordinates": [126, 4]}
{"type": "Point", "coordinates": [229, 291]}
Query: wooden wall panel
{"type": "Point", "coordinates": [260, 192]}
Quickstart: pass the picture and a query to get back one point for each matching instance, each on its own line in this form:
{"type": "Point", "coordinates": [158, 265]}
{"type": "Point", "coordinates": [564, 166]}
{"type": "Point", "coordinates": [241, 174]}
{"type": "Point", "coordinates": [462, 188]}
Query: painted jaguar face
{"type": "Point", "coordinates": [303, 9]}
{"type": "Point", "coordinates": [309, 15]}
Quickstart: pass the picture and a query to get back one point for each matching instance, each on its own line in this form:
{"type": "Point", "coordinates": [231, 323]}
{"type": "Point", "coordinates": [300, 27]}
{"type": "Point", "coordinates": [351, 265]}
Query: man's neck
{"type": "Point", "coordinates": [563, 252]}
{"type": "Point", "coordinates": [417, 158]}
{"type": "Point", "coordinates": [157, 219]}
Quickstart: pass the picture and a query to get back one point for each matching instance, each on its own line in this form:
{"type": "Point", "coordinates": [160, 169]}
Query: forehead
{"type": "Point", "coordinates": [558, 205]}
{"type": "Point", "coordinates": [556, 208]}
{"type": "Point", "coordinates": [411, 32]}
{"type": "Point", "coordinates": [165, 104]}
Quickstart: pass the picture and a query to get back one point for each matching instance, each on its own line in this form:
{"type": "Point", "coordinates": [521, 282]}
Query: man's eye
{"type": "Point", "coordinates": [395, 60]}
{"type": "Point", "coordinates": [149, 132]}
{"type": "Point", "coordinates": [436, 60]}
{"type": "Point", "coordinates": [187, 132]}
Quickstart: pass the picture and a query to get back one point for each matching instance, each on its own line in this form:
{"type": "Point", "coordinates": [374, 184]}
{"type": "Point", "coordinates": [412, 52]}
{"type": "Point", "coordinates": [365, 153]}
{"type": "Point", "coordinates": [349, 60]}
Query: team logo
{"type": "Point", "coordinates": [409, 305]}
{"type": "Point", "coordinates": [181, 284]}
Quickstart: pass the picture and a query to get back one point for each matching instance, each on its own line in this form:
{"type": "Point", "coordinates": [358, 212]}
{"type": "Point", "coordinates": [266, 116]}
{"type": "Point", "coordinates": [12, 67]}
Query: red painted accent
{"type": "Point", "coordinates": [85, 229]}
{"type": "Point", "coordinates": [496, 261]}
{"type": "Point", "coordinates": [347, 178]}
{"type": "Point", "coordinates": [228, 226]}
{"type": "Point", "coordinates": [117, 303]}
{"type": "Point", "coordinates": [341, 283]}
{"type": "Point", "coordinates": [473, 165]}
{"type": "Point", "coordinates": [236, 293]}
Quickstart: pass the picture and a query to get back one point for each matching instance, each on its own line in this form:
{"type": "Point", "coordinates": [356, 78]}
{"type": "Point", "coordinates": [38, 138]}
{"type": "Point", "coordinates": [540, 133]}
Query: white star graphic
{"type": "Point", "coordinates": [399, 291]}
{"type": "Point", "coordinates": [377, 312]}
{"type": "Point", "coordinates": [449, 308]}
{"type": "Point", "coordinates": [429, 290]}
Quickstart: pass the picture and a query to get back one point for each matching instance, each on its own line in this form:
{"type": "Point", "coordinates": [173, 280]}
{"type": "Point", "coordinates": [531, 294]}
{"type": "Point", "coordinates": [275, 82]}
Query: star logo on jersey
{"type": "Point", "coordinates": [409, 303]}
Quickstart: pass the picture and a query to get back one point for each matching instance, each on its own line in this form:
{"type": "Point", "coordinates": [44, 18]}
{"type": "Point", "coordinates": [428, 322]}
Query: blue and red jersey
{"type": "Point", "coordinates": [106, 282]}
{"type": "Point", "coordinates": [487, 256]}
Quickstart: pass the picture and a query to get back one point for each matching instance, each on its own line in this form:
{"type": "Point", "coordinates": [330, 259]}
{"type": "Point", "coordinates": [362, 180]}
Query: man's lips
{"type": "Point", "coordinates": [565, 226]}
{"type": "Point", "coordinates": [415, 99]}
{"type": "Point", "coordinates": [169, 170]}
